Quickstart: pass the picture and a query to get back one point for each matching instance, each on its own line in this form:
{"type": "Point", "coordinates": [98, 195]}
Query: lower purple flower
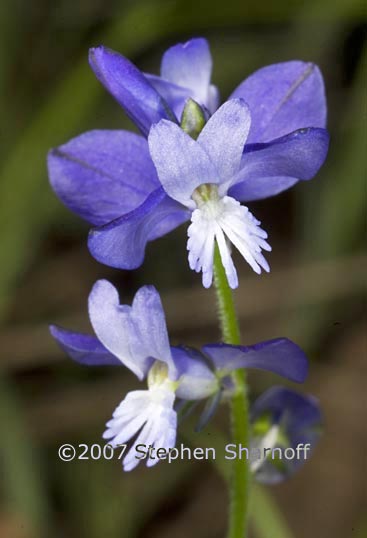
{"type": "Point", "coordinates": [136, 337]}
{"type": "Point", "coordinates": [287, 425]}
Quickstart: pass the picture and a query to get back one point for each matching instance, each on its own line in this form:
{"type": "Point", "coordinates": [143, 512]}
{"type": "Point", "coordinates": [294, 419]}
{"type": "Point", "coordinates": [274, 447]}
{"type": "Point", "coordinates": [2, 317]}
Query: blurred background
{"type": "Point", "coordinates": [313, 295]}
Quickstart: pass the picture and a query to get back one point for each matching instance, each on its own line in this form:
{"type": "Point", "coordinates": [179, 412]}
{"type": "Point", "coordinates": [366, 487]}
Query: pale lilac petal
{"type": "Point", "coordinates": [224, 136]}
{"type": "Point", "coordinates": [182, 165]}
{"type": "Point", "coordinates": [151, 336]}
{"type": "Point", "coordinates": [189, 65]}
{"type": "Point", "coordinates": [114, 328]}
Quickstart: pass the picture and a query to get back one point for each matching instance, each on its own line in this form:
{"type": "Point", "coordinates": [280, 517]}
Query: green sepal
{"type": "Point", "coordinates": [192, 119]}
{"type": "Point", "coordinates": [262, 425]}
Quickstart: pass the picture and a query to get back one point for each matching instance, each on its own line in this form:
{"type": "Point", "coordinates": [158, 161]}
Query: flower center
{"type": "Point", "coordinates": [158, 377]}
{"type": "Point", "coordinates": [204, 194]}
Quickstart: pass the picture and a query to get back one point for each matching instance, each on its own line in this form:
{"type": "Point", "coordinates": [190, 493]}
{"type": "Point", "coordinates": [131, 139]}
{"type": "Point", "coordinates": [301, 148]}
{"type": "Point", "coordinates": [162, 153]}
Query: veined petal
{"type": "Point", "coordinates": [101, 175]}
{"type": "Point", "coordinates": [189, 65]}
{"type": "Point", "coordinates": [151, 338]}
{"type": "Point", "coordinates": [224, 136]}
{"type": "Point", "coordinates": [280, 356]}
{"type": "Point", "coordinates": [282, 98]}
{"type": "Point", "coordinates": [141, 102]}
{"type": "Point", "coordinates": [268, 169]}
{"type": "Point", "coordinates": [182, 164]}
{"type": "Point", "coordinates": [83, 348]}
{"type": "Point", "coordinates": [121, 243]}
{"type": "Point", "coordinates": [196, 379]}
{"type": "Point", "coordinates": [113, 326]}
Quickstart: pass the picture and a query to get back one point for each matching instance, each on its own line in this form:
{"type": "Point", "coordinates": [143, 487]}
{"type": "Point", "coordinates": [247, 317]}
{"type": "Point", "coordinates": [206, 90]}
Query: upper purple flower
{"type": "Point", "coordinates": [136, 336]}
{"type": "Point", "coordinates": [266, 138]}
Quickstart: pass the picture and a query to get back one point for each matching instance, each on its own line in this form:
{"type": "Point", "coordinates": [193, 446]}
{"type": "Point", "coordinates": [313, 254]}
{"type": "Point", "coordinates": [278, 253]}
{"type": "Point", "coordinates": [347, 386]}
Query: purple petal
{"type": "Point", "coordinates": [196, 379]}
{"type": "Point", "coordinates": [302, 411]}
{"type": "Point", "coordinates": [174, 95]}
{"type": "Point", "coordinates": [141, 102]}
{"type": "Point", "coordinates": [151, 338]}
{"type": "Point", "coordinates": [213, 99]}
{"type": "Point", "coordinates": [189, 65]}
{"type": "Point", "coordinates": [121, 243]}
{"type": "Point", "coordinates": [224, 136]}
{"type": "Point", "coordinates": [268, 169]}
{"type": "Point", "coordinates": [83, 348]}
{"type": "Point", "coordinates": [101, 175]}
{"type": "Point", "coordinates": [114, 328]}
{"type": "Point", "coordinates": [181, 163]}
{"type": "Point", "coordinates": [299, 419]}
{"type": "Point", "coordinates": [280, 356]}
{"type": "Point", "coordinates": [282, 98]}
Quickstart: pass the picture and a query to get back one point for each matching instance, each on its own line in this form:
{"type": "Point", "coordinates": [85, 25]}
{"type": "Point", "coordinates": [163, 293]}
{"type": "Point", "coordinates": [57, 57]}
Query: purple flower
{"type": "Point", "coordinates": [136, 337]}
{"type": "Point", "coordinates": [266, 138]}
{"type": "Point", "coordinates": [289, 422]}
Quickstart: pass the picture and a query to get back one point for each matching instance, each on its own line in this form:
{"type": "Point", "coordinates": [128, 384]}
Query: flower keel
{"type": "Point", "coordinates": [150, 411]}
{"type": "Point", "coordinates": [223, 220]}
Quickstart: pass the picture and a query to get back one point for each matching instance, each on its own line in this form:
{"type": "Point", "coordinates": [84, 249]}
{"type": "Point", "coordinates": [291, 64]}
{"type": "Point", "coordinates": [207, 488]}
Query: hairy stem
{"type": "Point", "coordinates": [240, 474]}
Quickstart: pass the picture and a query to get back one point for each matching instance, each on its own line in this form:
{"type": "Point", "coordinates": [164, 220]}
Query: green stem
{"type": "Point", "coordinates": [240, 475]}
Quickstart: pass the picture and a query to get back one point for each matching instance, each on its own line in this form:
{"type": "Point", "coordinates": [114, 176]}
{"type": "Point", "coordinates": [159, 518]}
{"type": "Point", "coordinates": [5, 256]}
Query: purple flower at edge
{"type": "Point", "coordinates": [266, 138]}
{"type": "Point", "coordinates": [136, 337]}
{"type": "Point", "coordinates": [288, 421]}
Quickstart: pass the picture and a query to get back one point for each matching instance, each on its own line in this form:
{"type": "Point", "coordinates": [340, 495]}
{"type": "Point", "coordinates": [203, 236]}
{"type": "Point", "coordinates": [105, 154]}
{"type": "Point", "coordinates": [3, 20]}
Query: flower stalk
{"type": "Point", "coordinates": [239, 406]}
